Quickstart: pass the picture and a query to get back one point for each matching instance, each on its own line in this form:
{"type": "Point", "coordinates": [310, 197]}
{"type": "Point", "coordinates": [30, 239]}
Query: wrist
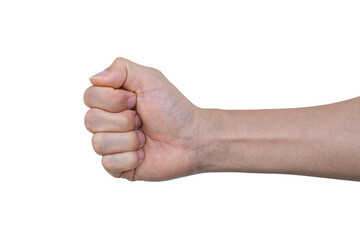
{"type": "Point", "coordinates": [214, 140]}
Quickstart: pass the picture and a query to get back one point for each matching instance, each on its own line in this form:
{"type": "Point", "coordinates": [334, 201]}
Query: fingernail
{"type": "Point", "coordinates": [117, 175]}
{"type": "Point", "coordinates": [141, 138]}
{"type": "Point", "coordinates": [141, 154]}
{"type": "Point", "coordinates": [99, 74]}
{"type": "Point", "coordinates": [137, 121]}
{"type": "Point", "coordinates": [132, 102]}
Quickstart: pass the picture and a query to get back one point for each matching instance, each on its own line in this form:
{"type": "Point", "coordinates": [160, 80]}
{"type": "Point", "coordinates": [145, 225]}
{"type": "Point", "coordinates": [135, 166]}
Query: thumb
{"type": "Point", "coordinates": [122, 73]}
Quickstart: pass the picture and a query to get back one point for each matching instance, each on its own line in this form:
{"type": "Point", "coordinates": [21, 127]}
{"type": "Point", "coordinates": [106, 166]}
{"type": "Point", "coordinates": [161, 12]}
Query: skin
{"type": "Point", "coordinates": [145, 129]}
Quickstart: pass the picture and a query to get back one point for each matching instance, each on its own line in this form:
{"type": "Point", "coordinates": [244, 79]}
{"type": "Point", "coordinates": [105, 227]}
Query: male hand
{"type": "Point", "coordinates": [144, 128]}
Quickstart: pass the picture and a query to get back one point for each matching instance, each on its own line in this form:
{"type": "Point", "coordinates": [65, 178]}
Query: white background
{"type": "Point", "coordinates": [220, 54]}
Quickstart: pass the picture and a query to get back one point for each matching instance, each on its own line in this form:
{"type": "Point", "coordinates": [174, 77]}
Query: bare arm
{"type": "Point", "coordinates": [145, 129]}
{"type": "Point", "coordinates": [319, 141]}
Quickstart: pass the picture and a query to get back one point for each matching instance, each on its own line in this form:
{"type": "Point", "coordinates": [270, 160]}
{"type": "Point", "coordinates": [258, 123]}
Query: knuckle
{"type": "Point", "coordinates": [98, 143]}
{"type": "Point", "coordinates": [155, 72]}
{"type": "Point", "coordinates": [90, 120]}
{"type": "Point", "coordinates": [107, 163]}
{"type": "Point", "coordinates": [152, 74]}
{"type": "Point", "coordinates": [119, 59]}
{"type": "Point", "coordinates": [88, 95]}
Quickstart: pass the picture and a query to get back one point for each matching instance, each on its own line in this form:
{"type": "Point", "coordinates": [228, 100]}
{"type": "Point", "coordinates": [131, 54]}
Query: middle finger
{"type": "Point", "coordinates": [109, 99]}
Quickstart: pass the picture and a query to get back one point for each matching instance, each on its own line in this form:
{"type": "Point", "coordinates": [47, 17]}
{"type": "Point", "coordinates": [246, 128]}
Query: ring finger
{"type": "Point", "coordinates": [97, 120]}
{"type": "Point", "coordinates": [110, 143]}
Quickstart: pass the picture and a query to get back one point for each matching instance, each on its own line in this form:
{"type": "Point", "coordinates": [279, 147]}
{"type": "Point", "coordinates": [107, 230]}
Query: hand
{"type": "Point", "coordinates": [143, 126]}
{"type": "Point", "coordinates": [147, 130]}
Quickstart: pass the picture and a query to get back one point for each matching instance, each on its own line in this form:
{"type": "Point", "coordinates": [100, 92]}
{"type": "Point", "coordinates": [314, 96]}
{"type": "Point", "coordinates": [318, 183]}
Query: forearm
{"type": "Point", "coordinates": [317, 141]}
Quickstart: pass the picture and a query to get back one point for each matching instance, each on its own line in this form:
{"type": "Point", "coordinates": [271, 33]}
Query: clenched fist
{"type": "Point", "coordinates": [144, 128]}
